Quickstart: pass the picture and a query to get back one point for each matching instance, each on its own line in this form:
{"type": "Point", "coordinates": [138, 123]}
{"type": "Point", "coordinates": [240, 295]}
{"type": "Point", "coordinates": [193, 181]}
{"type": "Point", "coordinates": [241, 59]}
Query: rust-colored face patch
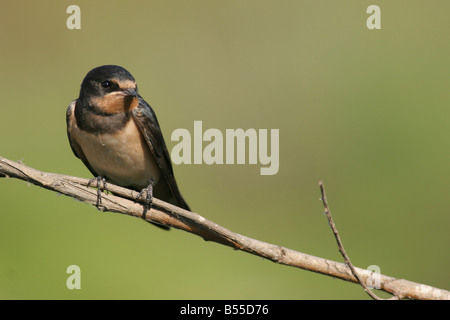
{"type": "Point", "coordinates": [125, 84]}
{"type": "Point", "coordinates": [115, 102]}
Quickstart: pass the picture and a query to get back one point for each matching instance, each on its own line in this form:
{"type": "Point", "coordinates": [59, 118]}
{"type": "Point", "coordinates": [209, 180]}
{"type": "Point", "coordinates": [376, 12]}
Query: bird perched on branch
{"type": "Point", "coordinates": [117, 136]}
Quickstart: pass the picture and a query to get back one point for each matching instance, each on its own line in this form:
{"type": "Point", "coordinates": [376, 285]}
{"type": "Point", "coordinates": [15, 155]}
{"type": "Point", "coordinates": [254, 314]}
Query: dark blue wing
{"type": "Point", "coordinates": [148, 123]}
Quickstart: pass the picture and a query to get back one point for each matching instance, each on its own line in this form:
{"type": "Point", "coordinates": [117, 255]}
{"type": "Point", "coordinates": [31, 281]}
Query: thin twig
{"type": "Point", "coordinates": [129, 202]}
{"type": "Point", "coordinates": [341, 246]}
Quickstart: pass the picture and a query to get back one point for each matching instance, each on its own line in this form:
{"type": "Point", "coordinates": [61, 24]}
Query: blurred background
{"type": "Point", "coordinates": [365, 110]}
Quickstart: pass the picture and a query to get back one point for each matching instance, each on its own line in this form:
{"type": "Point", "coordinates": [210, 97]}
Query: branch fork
{"type": "Point", "coordinates": [129, 202]}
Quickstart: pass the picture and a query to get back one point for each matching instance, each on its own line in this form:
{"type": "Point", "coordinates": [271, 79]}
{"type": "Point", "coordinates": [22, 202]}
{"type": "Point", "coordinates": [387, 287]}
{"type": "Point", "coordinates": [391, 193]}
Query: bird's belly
{"type": "Point", "coordinates": [122, 157]}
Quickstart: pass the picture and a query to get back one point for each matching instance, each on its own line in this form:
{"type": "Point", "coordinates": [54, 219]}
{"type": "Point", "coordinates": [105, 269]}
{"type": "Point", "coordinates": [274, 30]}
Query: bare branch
{"type": "Point", "coordinates": [341, 245]}
{"type": "Point", "coordinates": [126, 201]}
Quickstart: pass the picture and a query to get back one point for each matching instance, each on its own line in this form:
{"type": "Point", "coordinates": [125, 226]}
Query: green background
{"type": "Point", "coordinates": [365, 110]}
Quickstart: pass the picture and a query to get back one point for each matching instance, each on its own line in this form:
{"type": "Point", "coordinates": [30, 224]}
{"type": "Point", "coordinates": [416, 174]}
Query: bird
{"type": "Point", "coordinates": [116, 134]}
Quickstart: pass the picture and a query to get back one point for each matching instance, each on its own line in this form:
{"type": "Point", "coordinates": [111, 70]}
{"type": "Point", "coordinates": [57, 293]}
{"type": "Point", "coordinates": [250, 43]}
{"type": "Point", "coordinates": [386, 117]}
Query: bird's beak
{"type": "Point", "coordinates": [130, 93]}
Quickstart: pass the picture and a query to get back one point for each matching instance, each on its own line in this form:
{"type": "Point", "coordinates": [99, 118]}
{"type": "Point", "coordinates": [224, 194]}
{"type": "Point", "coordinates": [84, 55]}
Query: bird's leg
{"type": "Point", "coordinates": [149, 203]}
{"type": "Point", "coordinates": [101, 186]}
{"type": "Point", "coordinates": [148, 198]}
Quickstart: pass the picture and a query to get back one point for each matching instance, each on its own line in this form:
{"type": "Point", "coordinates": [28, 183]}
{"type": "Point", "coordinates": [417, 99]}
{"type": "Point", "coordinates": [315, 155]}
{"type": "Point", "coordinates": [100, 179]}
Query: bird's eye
{"type": "Point", "coordinates": [106, 84]}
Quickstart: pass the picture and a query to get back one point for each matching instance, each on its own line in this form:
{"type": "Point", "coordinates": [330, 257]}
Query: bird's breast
{"type": "Point", "coordinates": [123, 157]}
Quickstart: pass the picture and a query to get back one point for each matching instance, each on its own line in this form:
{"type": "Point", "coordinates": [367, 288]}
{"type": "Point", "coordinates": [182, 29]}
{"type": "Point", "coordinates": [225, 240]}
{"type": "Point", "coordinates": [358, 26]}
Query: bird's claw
{"type": "Point", "coordinates": [101, 186]}
{"type": "Point", "coordinates": [148, 191]}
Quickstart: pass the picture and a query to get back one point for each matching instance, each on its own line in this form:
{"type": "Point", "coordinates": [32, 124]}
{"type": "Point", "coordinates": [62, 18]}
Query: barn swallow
{"type": "Point", "coordinates": [117, 136]}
